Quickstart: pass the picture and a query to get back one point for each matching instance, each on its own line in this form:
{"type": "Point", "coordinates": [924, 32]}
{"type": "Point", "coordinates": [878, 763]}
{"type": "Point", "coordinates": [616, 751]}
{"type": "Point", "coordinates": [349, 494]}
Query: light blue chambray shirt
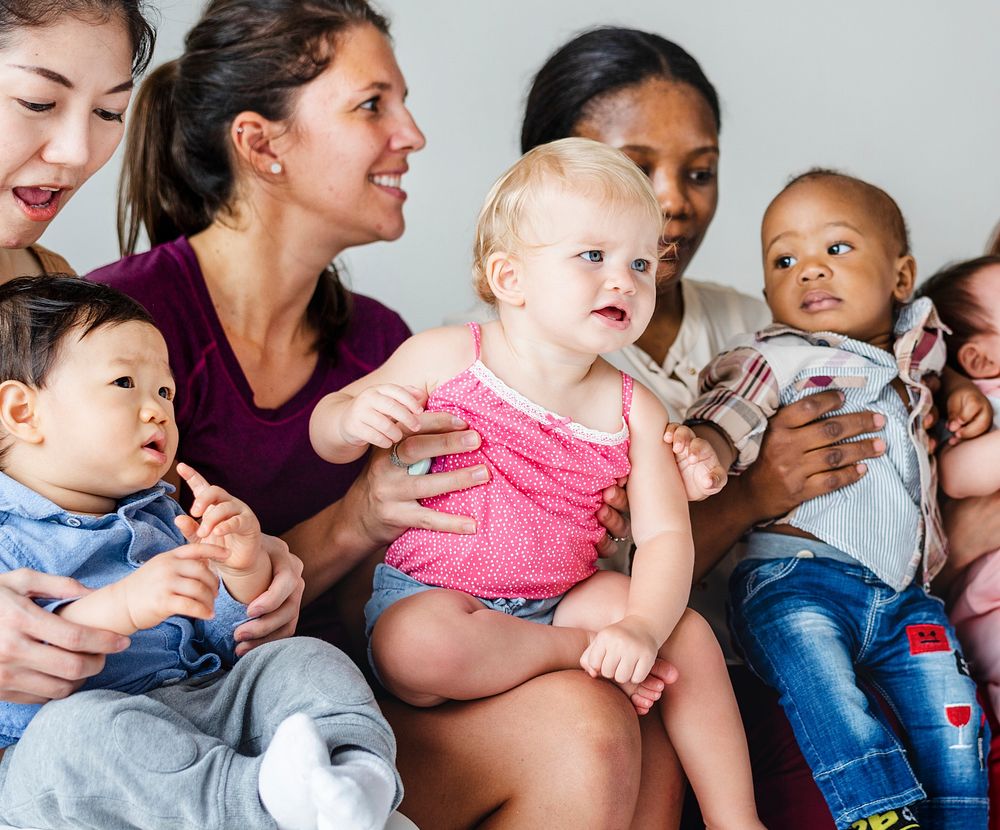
{"type": "Point", "coordinates": [99, 550]}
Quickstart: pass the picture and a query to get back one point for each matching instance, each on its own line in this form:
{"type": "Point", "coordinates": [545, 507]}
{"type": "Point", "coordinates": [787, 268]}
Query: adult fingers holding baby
{"type": "Point", "coordinates": [392, 496]}
{"type": "Point", "coordinates": [807, 451]}
{"type": "Point", "coordinates": [44, 656]}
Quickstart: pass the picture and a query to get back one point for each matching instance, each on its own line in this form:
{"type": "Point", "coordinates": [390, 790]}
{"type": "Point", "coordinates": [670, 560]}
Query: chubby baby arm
{"type": "Point", "coordinates": [230, 525]}
{"type": "Point", "coordinates": [382, 408]}
{"type": "Point", "coordinates": [664, 557]}
{"type": "Point", "coordinates": [972, 467]}
{"type": "Point", "coordinates": [178, 582]}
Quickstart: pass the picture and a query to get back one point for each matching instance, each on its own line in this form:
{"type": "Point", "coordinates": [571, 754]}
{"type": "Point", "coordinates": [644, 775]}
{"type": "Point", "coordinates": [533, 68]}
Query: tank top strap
{"type": "Point", "coordinates": [626, 396]}
{"type": "Point", "coordinates": [477, 336]}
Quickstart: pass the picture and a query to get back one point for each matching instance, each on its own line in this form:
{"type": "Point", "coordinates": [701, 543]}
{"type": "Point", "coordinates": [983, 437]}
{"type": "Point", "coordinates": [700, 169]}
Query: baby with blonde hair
{"type": "Point", "coordinates": [566, 250]}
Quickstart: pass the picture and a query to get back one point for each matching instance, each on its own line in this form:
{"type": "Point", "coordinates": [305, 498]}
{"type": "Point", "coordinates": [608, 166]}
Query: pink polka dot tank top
{"type": "Point", "coordinates": [536, 532]}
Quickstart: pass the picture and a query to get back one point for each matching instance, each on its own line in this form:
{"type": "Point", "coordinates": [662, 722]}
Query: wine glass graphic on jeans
{"type": "Point", "coordinates": [958, 715]}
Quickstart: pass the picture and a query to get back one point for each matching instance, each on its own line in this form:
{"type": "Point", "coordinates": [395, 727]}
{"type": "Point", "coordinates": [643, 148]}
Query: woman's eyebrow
{"type": "Point", "coordinates": [62, 80]}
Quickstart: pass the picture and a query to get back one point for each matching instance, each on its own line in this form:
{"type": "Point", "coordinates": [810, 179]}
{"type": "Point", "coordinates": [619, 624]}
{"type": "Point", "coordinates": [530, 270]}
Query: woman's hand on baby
{"type": "Point", "coordinates": [613, 517]}
{"type": "Point", "coordinates": [43, 656]}
{"type": "Point", "coordinates": [225, 521]}
{"type": "Point", "coordinates": [382, 415]}
{"type": "Point", "coordinates": [697, 462]}
{"type": "Point", "coordinates": [275, 613]}
{"type": "Point", "coordinates": [178, 582]}
{"type": "Point", "coordinates": [385, 500]}
{"type": "Point", "coordinates": [807, 451]}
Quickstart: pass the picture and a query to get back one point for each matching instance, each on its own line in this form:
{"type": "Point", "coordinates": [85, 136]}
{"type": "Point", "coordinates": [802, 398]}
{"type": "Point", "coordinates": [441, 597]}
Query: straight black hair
{"type": "Point", "coordinates": [16, 14]}
{"type": "Point", "coordinates": [38, 313]}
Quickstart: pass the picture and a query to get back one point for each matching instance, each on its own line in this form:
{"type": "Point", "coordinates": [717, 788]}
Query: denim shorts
{"type": "Point", "coordinates": [390, 585]}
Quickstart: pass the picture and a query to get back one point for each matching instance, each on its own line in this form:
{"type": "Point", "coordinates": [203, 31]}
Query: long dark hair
{"type": "Point", "coordinates": [15, 14]}
{"type": "Point", "coordinates": [241, 55]}
{"type": "Point", "coordinates": [598, 62]}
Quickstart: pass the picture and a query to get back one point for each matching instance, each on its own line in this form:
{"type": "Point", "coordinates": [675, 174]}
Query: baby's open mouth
{"type": "Point", "coordinates": [157, 443]}
{"type": "Point", "coordinates": [612, 313]}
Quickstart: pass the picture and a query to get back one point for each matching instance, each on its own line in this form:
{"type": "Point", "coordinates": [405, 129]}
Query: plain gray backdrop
{"type": "Point", "coordinates": [905, 93]}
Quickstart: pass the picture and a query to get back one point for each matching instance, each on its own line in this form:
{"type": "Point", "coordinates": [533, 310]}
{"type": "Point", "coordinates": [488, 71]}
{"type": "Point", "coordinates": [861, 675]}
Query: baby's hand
{"type": "Point", "coordinates": [178, 582]}
{"type": "Point", "coordinates": [225, 521]}
{"type": "Point", "coordinates": [699, 466]}
{"type": "Point", "coordinates": [378, 415]}
{"type": "Point", "coordinates": [624, 652]}
{"type": "Point", "coordinates": [969, 413]}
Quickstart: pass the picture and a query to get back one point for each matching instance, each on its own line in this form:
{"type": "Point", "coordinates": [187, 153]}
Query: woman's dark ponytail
{"type": "Point", "coordinates": [153, 194]}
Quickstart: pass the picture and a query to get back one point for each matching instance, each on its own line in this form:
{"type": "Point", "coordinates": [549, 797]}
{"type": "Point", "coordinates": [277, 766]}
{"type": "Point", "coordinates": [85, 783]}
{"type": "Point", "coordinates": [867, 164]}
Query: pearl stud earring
{"type": "Point", "coordinates": [276, 167]}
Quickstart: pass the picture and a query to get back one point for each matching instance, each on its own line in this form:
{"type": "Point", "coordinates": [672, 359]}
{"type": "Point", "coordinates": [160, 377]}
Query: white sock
{"type": "Point", "coordinates": [355, 794]}
{"type": "Point", "coordinates": [295, 752]}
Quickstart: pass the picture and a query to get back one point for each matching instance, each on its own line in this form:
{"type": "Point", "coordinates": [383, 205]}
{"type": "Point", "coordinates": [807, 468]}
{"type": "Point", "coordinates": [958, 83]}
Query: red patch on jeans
{"type": "Point", "coordinates": [927, 638]}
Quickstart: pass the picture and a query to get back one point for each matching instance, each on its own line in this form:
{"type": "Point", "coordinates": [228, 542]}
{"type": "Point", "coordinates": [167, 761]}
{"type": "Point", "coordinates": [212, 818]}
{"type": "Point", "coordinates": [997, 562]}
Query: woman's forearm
{"type": "Point", "coordinates": [717, 523]}
{"type": "Point", "coordinates": [329, 544]}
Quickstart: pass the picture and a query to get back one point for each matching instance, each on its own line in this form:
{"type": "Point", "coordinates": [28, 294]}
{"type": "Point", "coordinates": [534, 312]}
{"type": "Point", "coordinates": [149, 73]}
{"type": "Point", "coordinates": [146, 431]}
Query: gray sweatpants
{"type": "Point", "coordinates": [185, 756]}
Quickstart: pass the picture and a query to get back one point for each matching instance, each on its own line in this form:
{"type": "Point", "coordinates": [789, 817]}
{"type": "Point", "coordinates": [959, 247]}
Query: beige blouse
{"type": "Point", "coordinates": [50, 261]}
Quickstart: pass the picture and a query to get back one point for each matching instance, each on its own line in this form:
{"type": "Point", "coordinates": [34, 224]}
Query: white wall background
{"type": "Point", "coordinates": [905, 93]}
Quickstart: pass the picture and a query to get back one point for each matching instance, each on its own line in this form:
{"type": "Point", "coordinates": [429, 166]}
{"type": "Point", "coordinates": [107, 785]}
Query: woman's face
{"type": "Point", "coordinates": [668, 130]}
{"type": "Point", "coordinates": [64, 89]}
{"type": "Point", "coordinates": [349, 142]}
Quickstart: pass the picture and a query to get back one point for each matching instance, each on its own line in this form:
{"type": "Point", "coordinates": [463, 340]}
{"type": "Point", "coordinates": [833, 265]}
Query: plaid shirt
{"type": "Point", "coordinates": [888, 520]}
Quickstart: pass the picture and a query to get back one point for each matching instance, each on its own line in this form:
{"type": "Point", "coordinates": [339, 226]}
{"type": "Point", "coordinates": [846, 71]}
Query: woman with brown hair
{"type": "Point", "coordinates": [277, 140]}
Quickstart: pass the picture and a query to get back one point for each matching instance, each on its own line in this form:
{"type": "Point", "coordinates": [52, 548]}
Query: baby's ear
{"type": "Point", "coordinates": [18, 412]}
{"type": "Point", "coordinates": [976, 361]}
{"type": "Point", "coordinates": [906, 278]}
{"type": "Point", "coordinates": [503, 273]}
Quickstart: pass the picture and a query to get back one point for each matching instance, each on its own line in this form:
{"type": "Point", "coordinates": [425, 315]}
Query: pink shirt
{"type": "Point", "coordinates": [536, 525]}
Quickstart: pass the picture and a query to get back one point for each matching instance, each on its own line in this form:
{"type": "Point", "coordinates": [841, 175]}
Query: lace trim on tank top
{"type": "Point", "coordinates": [547, 419]}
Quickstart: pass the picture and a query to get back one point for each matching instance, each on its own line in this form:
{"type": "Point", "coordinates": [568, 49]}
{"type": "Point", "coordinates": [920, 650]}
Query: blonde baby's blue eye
{"type": "Point", "coordinates": [640, 265]}
{"type": "Point", "coordinates": [124, 382]}
{"type": "Point", "coordinates": [166, 392]}
{"type": "Point", "coordinates": [593, 256]}
{"type": "Point", "coordinates": [785, 261]}
{"type": "Point", "coordinates": [839, 248]}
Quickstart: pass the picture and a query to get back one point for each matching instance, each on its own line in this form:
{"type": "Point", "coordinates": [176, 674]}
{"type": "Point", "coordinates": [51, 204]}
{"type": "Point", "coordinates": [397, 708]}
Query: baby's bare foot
{"type": "Point", "coordinates": [643, 695]}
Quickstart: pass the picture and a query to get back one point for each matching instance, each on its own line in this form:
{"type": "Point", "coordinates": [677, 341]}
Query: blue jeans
{"type": "Point", "coordinates": [812, 626]}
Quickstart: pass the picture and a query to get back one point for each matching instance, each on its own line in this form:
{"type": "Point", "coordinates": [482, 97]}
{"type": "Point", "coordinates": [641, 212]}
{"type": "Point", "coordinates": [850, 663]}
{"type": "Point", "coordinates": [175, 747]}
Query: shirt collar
{"type": "Point", "coordinates": [18, 500]}
{"type": "Point", "coordinates": [920, 312]}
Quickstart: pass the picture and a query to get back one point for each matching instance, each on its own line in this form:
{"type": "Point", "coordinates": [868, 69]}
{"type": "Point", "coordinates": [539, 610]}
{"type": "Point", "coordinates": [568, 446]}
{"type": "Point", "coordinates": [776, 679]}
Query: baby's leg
{"type": "Point", "coordinates": [441, 645]}
{"type": "Point", "coordinates": [698, 710]}
{"type": "Point", "coordinates": [107, 759]}
{"type": "Point", "coordinates": [303, 790]}
{"type": "Point", "coordinates": [329, 758]}
{"type": "Point", "coordinates": [600, 601]}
